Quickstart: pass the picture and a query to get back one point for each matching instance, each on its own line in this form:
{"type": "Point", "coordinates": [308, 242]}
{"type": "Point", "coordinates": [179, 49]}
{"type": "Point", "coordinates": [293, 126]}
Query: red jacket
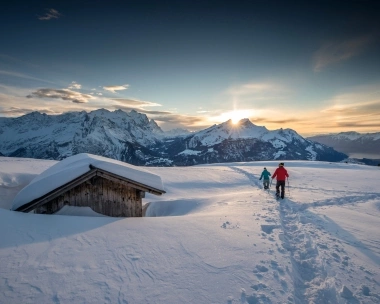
{"type": "Point", "coordinates": [281, 174]}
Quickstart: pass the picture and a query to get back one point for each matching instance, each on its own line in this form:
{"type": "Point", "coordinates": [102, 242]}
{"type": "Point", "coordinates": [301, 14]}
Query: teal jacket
{"type": "Point", "coordinates": [265, 174]}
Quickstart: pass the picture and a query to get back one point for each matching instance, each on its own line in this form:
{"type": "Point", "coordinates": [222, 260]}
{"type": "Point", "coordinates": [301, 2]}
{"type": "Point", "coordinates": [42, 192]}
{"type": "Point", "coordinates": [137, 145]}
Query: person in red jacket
{"type": "Point", "coordinates": [281, 174]}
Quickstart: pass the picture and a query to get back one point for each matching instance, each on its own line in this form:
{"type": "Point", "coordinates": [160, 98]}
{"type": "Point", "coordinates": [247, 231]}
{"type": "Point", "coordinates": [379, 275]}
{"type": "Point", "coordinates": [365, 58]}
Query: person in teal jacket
{"type": "Point", "coordinates": [265, 174]}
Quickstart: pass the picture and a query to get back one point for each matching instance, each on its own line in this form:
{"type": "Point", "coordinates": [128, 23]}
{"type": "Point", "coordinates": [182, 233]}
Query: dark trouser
{"type": "Point", "coordinates": [282, 185]}
{"type": "Point", "coordinates": [266, 183]}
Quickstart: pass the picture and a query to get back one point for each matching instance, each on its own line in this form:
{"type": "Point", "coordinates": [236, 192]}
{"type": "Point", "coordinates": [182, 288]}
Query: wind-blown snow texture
{"type": "Point", "coordinates": [215, 237]}
{"type": "Point", "coordinates": [133, 138]}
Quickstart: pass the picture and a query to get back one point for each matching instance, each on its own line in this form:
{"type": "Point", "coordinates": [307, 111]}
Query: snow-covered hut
{"type": "Point", "coordinates": [107, 186]}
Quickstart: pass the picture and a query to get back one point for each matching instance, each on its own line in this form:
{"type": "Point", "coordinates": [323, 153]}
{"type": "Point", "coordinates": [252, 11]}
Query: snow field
{"type": "Point", "coordinates": [215, 237]}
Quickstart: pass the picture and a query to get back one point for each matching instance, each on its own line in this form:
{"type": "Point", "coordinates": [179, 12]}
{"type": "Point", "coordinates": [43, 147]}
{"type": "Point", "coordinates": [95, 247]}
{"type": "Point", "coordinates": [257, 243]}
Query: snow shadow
{"type": "Point", "coordinates": [255, 180]}
{"type": "Point", "coordinates": [344, 200]}
{"type": "Point", "coordinates": [334, 229]}
{"type": "Point", "coordinates": [22, 228]}
{"type": "Point", "coordinates": [172, 208]}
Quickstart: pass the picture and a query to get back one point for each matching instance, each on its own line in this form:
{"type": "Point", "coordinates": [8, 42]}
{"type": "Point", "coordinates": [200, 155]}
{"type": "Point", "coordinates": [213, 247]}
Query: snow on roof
{"type": "Point", "coordinates": [77, 165]}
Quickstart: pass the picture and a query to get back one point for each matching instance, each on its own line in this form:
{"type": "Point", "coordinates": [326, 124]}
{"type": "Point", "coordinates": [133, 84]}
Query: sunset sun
{"type": "Point", "coordinates": [235, 115]}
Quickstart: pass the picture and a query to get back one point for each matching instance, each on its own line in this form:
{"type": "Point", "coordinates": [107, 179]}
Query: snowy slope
{"type": "Point", "coordinates": [111, 134]}
{"type": "Point", "coordinates": [215, 237]}
{"type": "Point", "coordinates": [244, 141]}
{"type": "Point", "coordinates": [242, 130]}
{"type": "Point", "coordinates": [227, 130]}
{"type": "Point", "coordinates": [133, 138]}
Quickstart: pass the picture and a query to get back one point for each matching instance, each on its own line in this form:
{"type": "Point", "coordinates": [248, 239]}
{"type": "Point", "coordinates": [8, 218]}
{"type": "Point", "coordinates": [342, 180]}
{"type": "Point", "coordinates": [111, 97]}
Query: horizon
{"type": "Point", "coordinates": [305, 66]}
{"type": "Point", "coordinates": [194, 131]}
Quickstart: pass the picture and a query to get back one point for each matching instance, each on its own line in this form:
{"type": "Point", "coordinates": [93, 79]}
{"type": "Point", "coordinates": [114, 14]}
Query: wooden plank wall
{"type": "Point", "coordinates": [103, 196]}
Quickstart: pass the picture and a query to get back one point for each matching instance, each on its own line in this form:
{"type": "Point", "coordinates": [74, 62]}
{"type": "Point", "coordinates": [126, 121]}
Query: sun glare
{"type": "Point", "coordinates": [237, 115]}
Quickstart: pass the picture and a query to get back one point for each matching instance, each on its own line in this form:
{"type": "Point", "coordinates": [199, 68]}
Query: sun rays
{"type": "Point", "coordinates": [235, 116]}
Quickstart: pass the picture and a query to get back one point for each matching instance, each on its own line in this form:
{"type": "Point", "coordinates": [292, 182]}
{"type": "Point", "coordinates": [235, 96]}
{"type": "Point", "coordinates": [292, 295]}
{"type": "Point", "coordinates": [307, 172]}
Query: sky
{"type": "Point", "coordinates": [215, 236]}
{"type": "Point", "coordinates": [311, 66]}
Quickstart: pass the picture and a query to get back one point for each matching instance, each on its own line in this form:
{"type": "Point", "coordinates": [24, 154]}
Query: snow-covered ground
{"type": "Point", "coordinates": [215, 237]}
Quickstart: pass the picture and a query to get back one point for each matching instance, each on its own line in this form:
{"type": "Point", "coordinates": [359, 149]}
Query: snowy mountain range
{"type": "Point", "coordinates": [352, 142]}
{"type": "Point", "coordinates": [228, 142]}
{"type": "Point", "coordinates": [133, 138]}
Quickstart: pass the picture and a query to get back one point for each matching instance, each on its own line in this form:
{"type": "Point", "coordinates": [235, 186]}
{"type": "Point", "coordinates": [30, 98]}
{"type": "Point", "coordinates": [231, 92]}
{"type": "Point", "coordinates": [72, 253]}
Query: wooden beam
{"type": "Point", "coordinates": [127, 181]}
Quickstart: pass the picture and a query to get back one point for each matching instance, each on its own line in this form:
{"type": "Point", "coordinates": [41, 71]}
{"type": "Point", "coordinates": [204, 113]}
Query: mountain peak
{"type": "Point", "coordinates": [101, 111]}
{"type": "Point", "coordinates": [35, 114]}
{"type": "Point", "coordinates": [155, 127]}
{"type": "Point", "coordinates": [139, 117]}
{"type": "Point", "coordinates": [244, 121]}
{"type": "Point", "coordinates": [349, 133]}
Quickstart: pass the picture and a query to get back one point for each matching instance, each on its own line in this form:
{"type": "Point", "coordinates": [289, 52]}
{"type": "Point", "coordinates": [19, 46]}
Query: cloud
{"type": "Point", "coordinates": [50, 14]}
{"type": "Point", "coordinates": [63, 94]}
{"type": "Point", "coordinates": [169, 120]}
{"type": "Point", "coordinates": [284, 122]}
{"type": "Point", "coordinates": [185, 120]}
{"type": "Point", "coordinates": [126, 108]}
{"type": "Point", "coordinates": [354, 125]}
{"type": "Point", "coordinates": [357, 110]}
{"type": "Point", "coordinates": [361, 124]}
{"type": "Point", "coordinates": [24, 76]}
{"type": "Point", "coordinates": [363, 100]}
{"type": "Point", "coordinates": [334, 52]}
{"type": "Point", "coordinates": [12, 111]}
{"type": "Point", "coordinates": [75, 86]}
{"type": "Point", "coordinates": [135, 103]}
{"type": "Point", "coordinates": [366, 109]}
{"type": "Point", "coordinates": [115, 88]}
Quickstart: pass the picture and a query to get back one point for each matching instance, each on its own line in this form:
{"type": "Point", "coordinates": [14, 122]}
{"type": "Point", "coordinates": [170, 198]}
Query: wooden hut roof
{"type": "Point", "coordinates": [71, 171]}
